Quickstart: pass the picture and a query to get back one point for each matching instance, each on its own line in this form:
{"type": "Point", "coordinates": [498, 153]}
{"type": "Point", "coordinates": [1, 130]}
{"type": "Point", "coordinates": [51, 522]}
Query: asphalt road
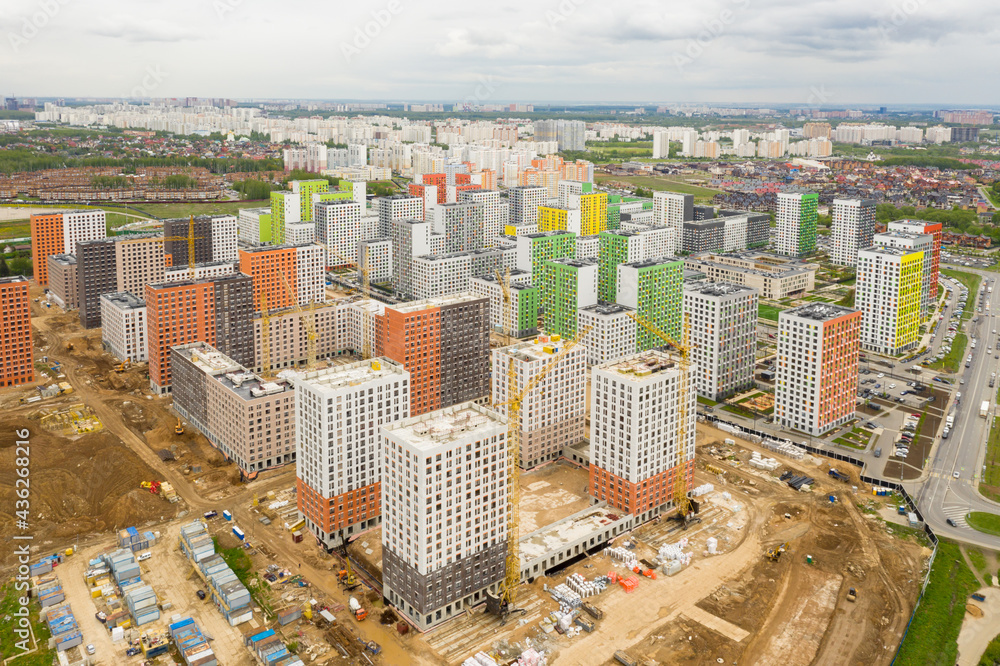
{"type": "Point", "coordinates": [938, 493]}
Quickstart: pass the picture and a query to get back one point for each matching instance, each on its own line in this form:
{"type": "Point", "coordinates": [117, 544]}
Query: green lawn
{"type": "Point", "coordinates": [770, 312]}
{"type": "Point", "coordinates": [666, 184]}
{"type": "Point", "coordinates": [932, 639]}
{"type": "Point", "coordinates": [8, 639]}
{"type": "Point", "coordinates": [242, 566]}
{"type": "Point", "coordinates": [989, 487]}
{"type": "Point", "coordinates": [953, 359]}
{"type": "Point", "coordinates": [987, 523]}
{"type": "Point", "coordinates": [971, 282]}
{"type": "Point", "coordinates": [706, 401]}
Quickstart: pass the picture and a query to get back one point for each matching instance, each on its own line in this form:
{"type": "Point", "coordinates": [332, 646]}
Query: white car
{"type": "Point", "coordinates": [143, 557]}
{"type": "Point", "coordinates": [881, 375]}
{"type": "Point", "coordinates": [956, 475]}
{"type": "Point", "coordinates": [91, 649]}
{"type": "Point", "coordinates": [892, 386]}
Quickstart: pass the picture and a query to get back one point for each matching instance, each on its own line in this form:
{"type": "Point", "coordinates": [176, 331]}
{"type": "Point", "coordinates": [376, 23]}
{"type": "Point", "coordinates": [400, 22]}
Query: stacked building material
{"type": "Point", "coordinates": [675, 551]}
{"type": "Point", "coordinates": [623, 555]}
{"type": "Point", "coordinates": [768, 464]}
{"type": "Point", "coordinates": [784, 447]}
{"type": "Point", "coordinates": [703, 489]}
{"type": "Point", "coordinates": [585, 588]}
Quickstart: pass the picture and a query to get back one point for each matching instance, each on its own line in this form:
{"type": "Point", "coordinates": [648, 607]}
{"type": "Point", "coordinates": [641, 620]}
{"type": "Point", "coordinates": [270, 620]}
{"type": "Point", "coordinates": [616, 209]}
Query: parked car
{"type": "Point", "coordinates": [950, 522]}
{"type": "Point", "coordinates": [201, 594]}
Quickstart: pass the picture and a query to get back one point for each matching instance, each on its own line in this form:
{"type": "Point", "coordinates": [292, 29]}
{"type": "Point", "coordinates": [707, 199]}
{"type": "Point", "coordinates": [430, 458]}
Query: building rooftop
{"type": "Point", "coordinates": [436, 302]}
{"type": "Point", "coordinates": [350, 374]}
{"type": "Point", "coordinates": [888, 251]}
{"type": "Point", "coordinates": [606, 309]}
{"type": "Point", "coordinates": [233, 376]}
{"type": "Point", "coordinates": [818, 311]}
{"type": "Point", "coordinates": [547, 234]}
{"type": "Point", "coordinates": [262, 249]}
{"type": "Point", "coordinates": [542, 348]}
{"type": "Point", "coordinates": [712, 222]}
{"type": "Point", "coordinates": [640, 367]}
{"type": "Point", "coordinates": [187, 283]}
{"type": "Point", "coordinates": [657, 261]}
{"type": "Point", "coordinates": [67, 259]}
{"type": "Point", "coordinates": [620, 232]}
{"type": "Point", "coordinates": [909, 235]}
{"type": "Point", "coordinates": [393, 197]}
{"type": "Point", "coordinates": [555, 537]}
{"type": "Point", "coordinates": [203, 264]}
{"type": "Point", "coordinates": [380, 239]}
{"type": "Point", "coordinates": [575, 263]}
{"type": "Point", "coordinates": [428, 431]}
{"type": "Point", "coordinates": [717, 288]}
{"type": "Point", "coordinates": [13, 278]}
{"type": "Point", "coordinates": [123, 300]}
{"type": "Point", "coordinates": [198, 218]}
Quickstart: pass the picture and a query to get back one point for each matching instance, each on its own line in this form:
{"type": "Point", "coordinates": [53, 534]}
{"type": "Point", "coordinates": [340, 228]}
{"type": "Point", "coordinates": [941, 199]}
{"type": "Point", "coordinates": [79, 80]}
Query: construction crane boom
{"type": "Point", "coordinates": [503, 604]}
{"type": "Point", "coordinates": [190, 239]}
{"type": "Point", "coordinates": [265, 338]}
{"type": "Point", "coordinates": [307, 321]}
{"type": "Point", "coordinates": [681, 500]}
{"type": "Point", "coordinates": [503, 279]}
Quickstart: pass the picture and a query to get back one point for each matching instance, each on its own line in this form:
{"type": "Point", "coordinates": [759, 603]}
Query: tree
{"type": "Point", "coordinates": [21, 266]}
{"type": "Point", "coordinates": [644, 192]}
{"type": "Point", "coordinates": [4, 268]}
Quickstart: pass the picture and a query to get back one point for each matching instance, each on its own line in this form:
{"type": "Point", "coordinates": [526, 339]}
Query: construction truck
{"type": "Point", "coordinates": [359, 612]}
{"type": "Point", "coordinates": [852, 594]}
{"type": "Point", "coordinates": [178, 429]}
{"type": "Point", "coordinates": [151, 486]}
{"type": "Point", "coordinates": [69, 346]}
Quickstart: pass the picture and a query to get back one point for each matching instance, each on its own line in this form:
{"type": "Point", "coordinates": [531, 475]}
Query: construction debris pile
{"type": "Point", "coordinates": [784, 447]}
{"type": "Point", "coordinates": [797, 481]}
{"type": "Point", "coordinates": [766, 464]}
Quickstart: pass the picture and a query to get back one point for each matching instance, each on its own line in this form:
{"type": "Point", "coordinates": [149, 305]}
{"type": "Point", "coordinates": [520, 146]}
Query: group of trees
{"type": "Point", "coordinates": [956, 219]}
{"type": "Point", "coordinates": [254, 189]}
{"type": "Point", "coordinates": [17, 265]}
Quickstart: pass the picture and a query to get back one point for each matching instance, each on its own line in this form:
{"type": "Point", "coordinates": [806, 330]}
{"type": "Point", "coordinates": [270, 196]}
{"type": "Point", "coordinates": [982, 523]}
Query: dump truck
{"type": "Point", "coordinates": [837, 474]}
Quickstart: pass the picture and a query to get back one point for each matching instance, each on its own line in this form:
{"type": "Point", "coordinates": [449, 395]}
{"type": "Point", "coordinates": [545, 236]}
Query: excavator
{"type": "Point", "coordinates": [347, 577]}
{"type": "Point", "coordinates": [774, 554]}
{"type": "Point", "coordinates": [178, 429]}
{"type": "Point", "coordinates": [124, 365]}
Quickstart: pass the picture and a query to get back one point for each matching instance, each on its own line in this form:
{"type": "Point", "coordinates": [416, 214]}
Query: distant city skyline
{"type": "Point", "coordinates": [736, 52]}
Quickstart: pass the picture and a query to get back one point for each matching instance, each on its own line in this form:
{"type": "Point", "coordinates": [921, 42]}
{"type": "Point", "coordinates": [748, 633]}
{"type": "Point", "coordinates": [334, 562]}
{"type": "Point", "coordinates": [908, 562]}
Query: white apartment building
{"type": "Point", "coordinates": [339, 411]}
{"type": "Point", "coordinates": [852, 229]}
{"type": "Point", "coordinates": [411, 238]}
{"type": "Point", "coordinates": [658, 241]}
{"type": "Point", "coordinates": [642, 429]}
{"type": "Point", "coordinates": [890, 282]}
{"type": "Point", "coordinates": [444, 511]}
{"type": "Point", "coordinates": [82, 225]}
{"type": "Point", "coordinates": [671, 209]}
{"type": "Point", "coordinates": [310, 268]}
{"type": "Point", "coordinates": [734, 233]}
{"type": "Point", "coordinates": [397, 207]}
{"type": "Point", "coordinates": [441, 274]}
{"type": "Point", "coordinates": [225, 238]}
{"type": "Point", "coordinates": [552, 415]}
{"type": "Point", "coordinates": [123, 326]}
{"type": "Point", "coordinates": [816, 370]}
{"type": "Point", "coordinates": [795, 217]}
{"type": "Point", "coordinates": [203, 271]}
{"type": "Point", "coordinates": [524, 202]}
{"type": "Point", "coordinates": [377, 254]}
{"type": "Point", "coordinates": [494, 215]}
{"type": "Point", "coordinates": [250, 223]}
{"type": "Point", "coordinates": [588, 247]}
{"type": "Point", "coordinates": [915, 242]}
{"type": "Point", "coordinates": [723, 337]}
{"type": "Point", "coordinates": [338, 227]}
{"type": "Point", "coordinates": [300, 233]}
{"type": "Point", "coordinates": [612, 333]}
{"type": "Point", "coordinates": [462, 225]}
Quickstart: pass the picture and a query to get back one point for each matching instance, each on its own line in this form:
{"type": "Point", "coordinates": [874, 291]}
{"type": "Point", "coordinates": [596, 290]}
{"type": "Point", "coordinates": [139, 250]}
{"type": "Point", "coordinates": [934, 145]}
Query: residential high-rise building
{"type": "Point", "coordinates": [63, 281]}
{"type": "Point", "coordinates": [524, 301]}
{"type": "Point", "coordinates": [852, 229]}
{"type": "Point", "coordinates": [397, 207]}
{"type": "Point", "coordinates": [443, 343]}
{"type": "Point", "coordinates": [461, 224]}
{"type": "Point", "coordinates": [495, 215]}
{"type": "Point", "coordinates": [440, 274]}
{"type": "Point", "coordinates": [570, 284]}
{"type": "Point", "coordinates": [58, 233]}
{"type": "Point", "coordinates": [270, 266]}
{"type": "Point", "coordinates": [338, 227]}
{"type": "Point", "coordinates": [553, 414]}
{"type": "Point", "coordinates": [924, 227]}
{"type": "Point", "coordinates": [588, 247]}
{"type": "Point", "coordinates": [524, 202]}
{"type": "Point", "coordinates": [533, 250]}
{"type": "Point", "coordinates": [286, 208]}
{"type": "Point", "coordinates": [654, 289]}
{"type": "Point", "coordinates": [410, 239]}
{"type": "Point", "coordinates": [306, 189]}
{"type": "Point", "coordinates": [816, 373]}
{"type": "Point", "coordinates": [123, 326]}
{"type": "Point", "coordinates": [249, 418]}
{"type": "Point", "coordinates": [340, 411]}
{"type": "Point", "coordinates": [217, 311]}
{"type": "Point", "coordinates": [672, 210]}
{"type": "Point", "coordinates": [611, 335]}
{"type": "Point", "coordinates": [211, 269]}
{"type": "Point", "coordinates": [216, 239]}
{"type": "Point", "coordinates": [914, 243]}
{"type": "Point", "coordinates": [593, 212]}
{"type": "Point", "coordinates": [376, 254]}
{"type": "Point", "coordinates": [616, 247]}
{"type": "Point", "coordinates": [796, 223]}
{"type": "Point", "coordinates": [444, 511]}
{"type": "Point", "coordinates": [559, 218]}
{"type": "Point", "coordinates": [570, 134]}
{"type": "Point", "coordinates": [138, 262]}
{"type": "Point", "coordinates": [17, 363]}
{"type": "Point", "coordinates": [635, 462]}
{"type": "Point", "coordinates": [254, 226]}
{"type": "Point", "coordinates": [889, 285]}
{"type": "Point", "coordinates": [96, 274]}
{"type": "Point", "coordinates": [723, 337]}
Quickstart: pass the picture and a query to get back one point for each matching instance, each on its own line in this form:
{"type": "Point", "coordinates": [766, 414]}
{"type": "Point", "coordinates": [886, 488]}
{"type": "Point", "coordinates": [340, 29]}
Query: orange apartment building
{"type": "Point", "coordinates": [636, 461]}
{"type": "Point", "coordinates": [58, 233]}
{"type": "Point", "coordinates": [17, 362]}
{"type": "Point", "coordinates": [270, 266]}
{"type": "Point", "coordinates": [443, 343]}
{"type": "Point", "coordinates": [217, 311]}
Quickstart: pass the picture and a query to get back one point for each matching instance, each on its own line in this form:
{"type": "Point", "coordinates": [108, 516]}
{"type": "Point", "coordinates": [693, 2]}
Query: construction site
{"type": "Point", "coordinates": [763, 571]}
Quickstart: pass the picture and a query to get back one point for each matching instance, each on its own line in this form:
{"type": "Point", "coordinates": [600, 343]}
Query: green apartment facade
{"type": "Point", "coordinates": [570, 284]}
{"type": "Point", "coordinates": [655, 289]}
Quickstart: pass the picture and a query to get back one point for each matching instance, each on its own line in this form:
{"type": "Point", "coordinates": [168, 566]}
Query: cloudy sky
{"type": "Point", "coordinates": [809, 52]}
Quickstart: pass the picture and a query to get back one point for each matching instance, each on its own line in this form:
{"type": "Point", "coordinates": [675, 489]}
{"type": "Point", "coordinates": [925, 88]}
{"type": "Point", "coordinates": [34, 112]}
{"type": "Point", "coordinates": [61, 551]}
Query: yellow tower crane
{"type": "Point", "coordinates": [502, 604]}
{"type": "Point", "coordinates": [265, 338]}
{"type": "Point", "coordinates": [681, 500]}
{"type": "Point", "coordinates": [308, 320]}
{"type": "Point", "coordinates": [190, 239]}
{"type": "Point", "coordinates": [503, 279]}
